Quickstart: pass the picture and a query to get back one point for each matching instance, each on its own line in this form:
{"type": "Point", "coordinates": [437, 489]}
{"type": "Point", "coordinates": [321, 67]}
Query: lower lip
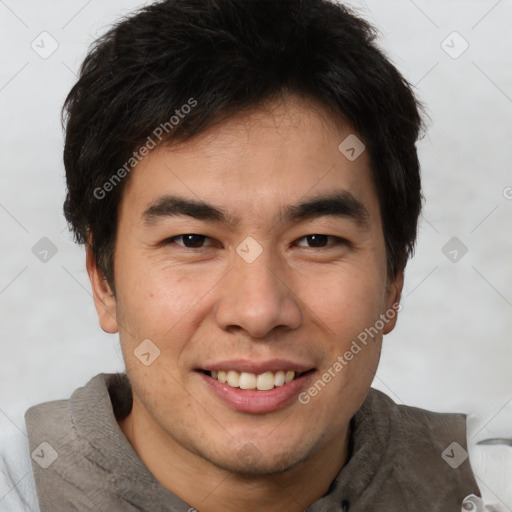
{"type": "Point", "coordinates": [253, 401]}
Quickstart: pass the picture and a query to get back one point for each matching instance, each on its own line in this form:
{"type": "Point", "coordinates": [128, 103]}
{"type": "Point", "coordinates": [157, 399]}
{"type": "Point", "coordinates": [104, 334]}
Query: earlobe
{"type": "Point", "coordinates": [104, 300]}
{"type": "Point", "coordinates": [393, 294]}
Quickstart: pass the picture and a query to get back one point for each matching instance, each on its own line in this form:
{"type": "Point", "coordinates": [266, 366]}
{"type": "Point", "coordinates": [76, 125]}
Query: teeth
{"type": "Point", "coordinates": [262, 382]}
{"type": "Point", "coordinates": [247, 381]}
{"type": "Point", "coordinates": [233, 379]}
{"type": "Point", "coordinates": [279, 378]}
{"type": "Point", "coordinates": [265, 381]}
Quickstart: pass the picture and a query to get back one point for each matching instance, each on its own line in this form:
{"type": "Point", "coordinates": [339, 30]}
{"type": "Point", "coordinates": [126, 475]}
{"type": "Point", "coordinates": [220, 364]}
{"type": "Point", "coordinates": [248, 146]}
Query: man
{"type": "Point", "coordinates": [245, 179]}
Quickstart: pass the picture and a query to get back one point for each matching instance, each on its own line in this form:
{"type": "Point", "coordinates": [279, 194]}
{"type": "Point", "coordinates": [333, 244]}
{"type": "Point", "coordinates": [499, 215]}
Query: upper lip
{"type": "Point", "coordinates": [257, 367]}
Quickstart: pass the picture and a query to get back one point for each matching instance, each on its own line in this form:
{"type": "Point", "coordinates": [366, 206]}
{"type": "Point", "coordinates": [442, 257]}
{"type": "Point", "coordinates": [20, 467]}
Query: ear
{"type": "Point", "coordinates": [104, 299]}
{"type": "Point", "coordinates": [393, 294]}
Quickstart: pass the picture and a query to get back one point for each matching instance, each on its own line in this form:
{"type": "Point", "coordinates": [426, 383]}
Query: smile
{"type": "Point", "coordinates": [262, 382]}
{"type": "Point", "coordinates": [256, 387]}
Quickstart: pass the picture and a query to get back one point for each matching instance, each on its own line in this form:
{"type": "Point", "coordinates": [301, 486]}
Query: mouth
{"type": "Point", "coordinates": [256, 388]}
{"type": "Point", "coordinates": [251, 381]}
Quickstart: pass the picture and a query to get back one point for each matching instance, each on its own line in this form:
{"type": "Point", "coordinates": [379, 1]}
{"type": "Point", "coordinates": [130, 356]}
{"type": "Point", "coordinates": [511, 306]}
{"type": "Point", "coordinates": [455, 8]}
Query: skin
{"type": "Point", "coordinates": [203, 305]}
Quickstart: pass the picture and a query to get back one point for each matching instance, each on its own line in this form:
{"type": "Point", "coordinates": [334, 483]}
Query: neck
{"type": "Point", "coordinates": [177, 469]}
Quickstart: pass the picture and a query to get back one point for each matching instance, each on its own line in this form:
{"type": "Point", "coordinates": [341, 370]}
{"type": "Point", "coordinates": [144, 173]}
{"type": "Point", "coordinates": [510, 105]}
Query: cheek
{"type": "Point", "coordinates": [347, 305]}
{"type": "Point", "coordinates": [163, 304]}
{"type": "Point", "coordinates": [346, 301]}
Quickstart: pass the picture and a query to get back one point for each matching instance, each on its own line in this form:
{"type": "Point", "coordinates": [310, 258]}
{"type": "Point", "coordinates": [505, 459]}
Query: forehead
{"type": "Point", "coordinates": [256, 163]}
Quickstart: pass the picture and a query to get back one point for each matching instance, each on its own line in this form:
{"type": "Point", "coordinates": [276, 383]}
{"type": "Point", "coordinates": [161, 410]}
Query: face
{"type": "Point", "coordinates": [252, 253]}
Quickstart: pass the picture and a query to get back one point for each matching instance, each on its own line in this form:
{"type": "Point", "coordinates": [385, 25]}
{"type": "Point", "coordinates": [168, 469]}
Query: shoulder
{"type": "Point", "coordinates": [47, 415]}
{"type": "Point", "coordinates": [18, 490]}
{"type": "Point", "coordinates": [455, 437]}
{"type": "Point", "coordinates": [414, 422]}
{"type": "Point", "coordinates": [17, 486]}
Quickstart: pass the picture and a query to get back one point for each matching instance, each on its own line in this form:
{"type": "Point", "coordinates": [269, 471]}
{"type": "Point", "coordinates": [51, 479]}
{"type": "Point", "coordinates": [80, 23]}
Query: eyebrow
{"type": "Point", "coordinates": [341, 204]}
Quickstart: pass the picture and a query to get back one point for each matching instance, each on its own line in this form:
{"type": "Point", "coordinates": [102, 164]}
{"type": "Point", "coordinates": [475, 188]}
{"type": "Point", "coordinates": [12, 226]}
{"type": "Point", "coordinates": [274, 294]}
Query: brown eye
{"type": "Point", "coordinates": [318, 241]}
{"type": "Point", "coordinates": [189, 240]}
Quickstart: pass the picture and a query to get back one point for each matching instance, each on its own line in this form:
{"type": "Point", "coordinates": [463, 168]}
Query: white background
{"type": "Point", "coordinates": [452, 347]}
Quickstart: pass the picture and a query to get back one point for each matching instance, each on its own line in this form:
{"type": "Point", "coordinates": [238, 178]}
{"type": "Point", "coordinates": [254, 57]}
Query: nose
{"type": "Point", "coordinates": [256, 298]}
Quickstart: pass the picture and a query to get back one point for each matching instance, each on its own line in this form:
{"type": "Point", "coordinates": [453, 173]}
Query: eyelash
{"type": "Point", "coordinates": [338, 240]}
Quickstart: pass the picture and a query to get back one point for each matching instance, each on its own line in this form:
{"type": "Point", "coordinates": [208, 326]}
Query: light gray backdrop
{"type": "Point", "coordinates": [452, 347]}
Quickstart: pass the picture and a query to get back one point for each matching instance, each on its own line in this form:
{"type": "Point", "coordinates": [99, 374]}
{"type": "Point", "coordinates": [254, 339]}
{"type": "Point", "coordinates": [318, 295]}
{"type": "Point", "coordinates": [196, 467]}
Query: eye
{"type": "Point", "coordinates": [314, 241]}
{"type": "Point", "coordinates": [320, 241]}
{"type": "Point", "coordinates": [189, 240]}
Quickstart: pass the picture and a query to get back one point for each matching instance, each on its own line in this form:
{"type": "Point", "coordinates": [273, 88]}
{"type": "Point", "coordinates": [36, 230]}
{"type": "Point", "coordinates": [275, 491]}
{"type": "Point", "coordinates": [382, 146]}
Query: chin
{"type": "Point", "coordinates": [250, 461]}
